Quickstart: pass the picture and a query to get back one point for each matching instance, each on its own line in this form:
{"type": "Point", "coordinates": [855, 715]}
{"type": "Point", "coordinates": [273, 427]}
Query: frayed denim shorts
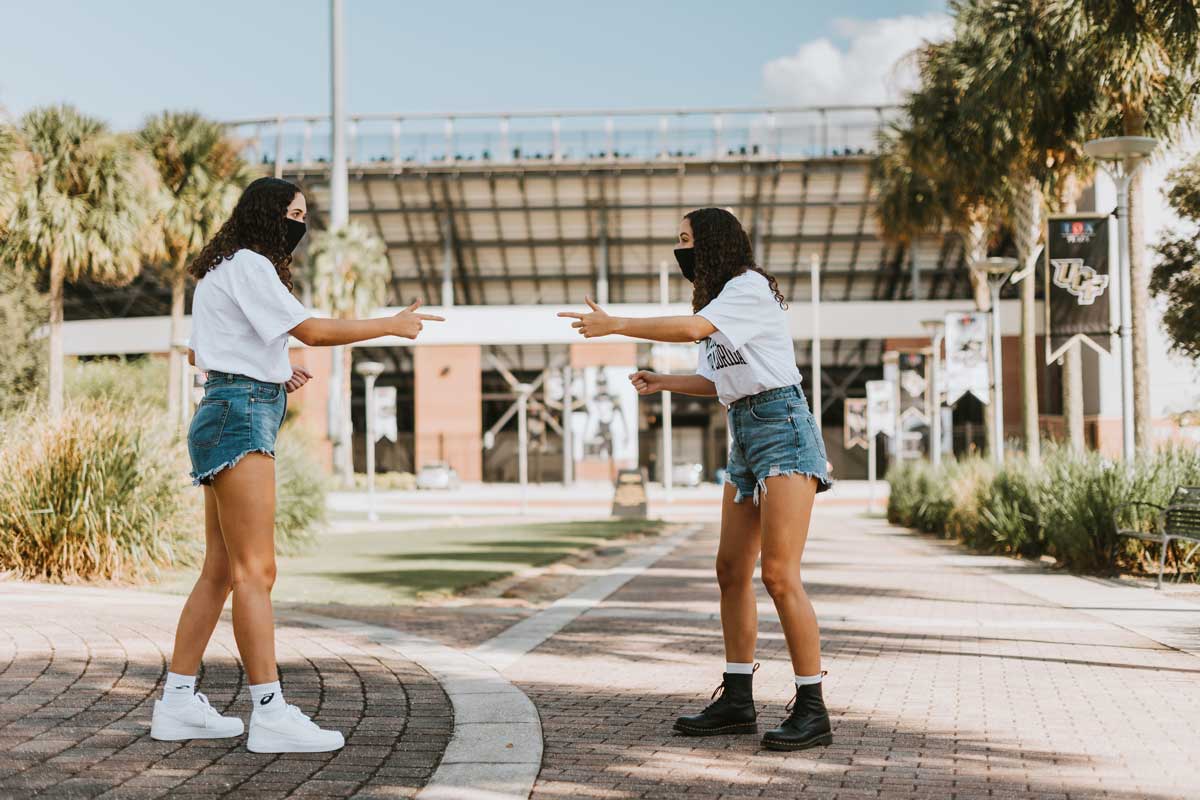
{"type": "Point", "coordinates": [774, 433]}
{"type": "Point", "coordinates": [238, 415]}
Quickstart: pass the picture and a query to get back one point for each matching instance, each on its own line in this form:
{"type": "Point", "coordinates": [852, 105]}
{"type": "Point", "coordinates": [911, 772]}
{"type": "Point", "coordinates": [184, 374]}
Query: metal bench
{"type": "Point", "coordinates": [1179, 520]}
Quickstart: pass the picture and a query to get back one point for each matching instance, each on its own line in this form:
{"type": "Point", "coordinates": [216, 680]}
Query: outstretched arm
{"type": "Point", "coordinates": [690, 328]}
{"type": "Point", "coordinates": [647, 382]}
{"type": "Point", "coordinates": [319, 332]}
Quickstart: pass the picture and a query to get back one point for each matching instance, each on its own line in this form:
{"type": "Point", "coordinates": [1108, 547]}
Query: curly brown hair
{"type": "Point", "coordinates": [258, 223]}
{"type": "Point", "coordinates": [723, 251]}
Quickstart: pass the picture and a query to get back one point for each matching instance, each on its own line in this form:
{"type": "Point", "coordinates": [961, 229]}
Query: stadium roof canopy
{"type": "Point", "coordinates": [545, 207]}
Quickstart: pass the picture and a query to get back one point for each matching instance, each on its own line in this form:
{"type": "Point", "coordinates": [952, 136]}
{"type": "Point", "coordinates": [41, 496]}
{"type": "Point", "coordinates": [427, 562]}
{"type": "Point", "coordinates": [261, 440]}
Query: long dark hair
{"type": "Point", "coordinates": [257, 223]}
{"type": "Point", "coordinates": [723, 251]}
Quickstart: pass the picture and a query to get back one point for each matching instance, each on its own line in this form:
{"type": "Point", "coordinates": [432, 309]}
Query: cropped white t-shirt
{"type": "Point", "coordinates": [751, 351]}
{"type": "Point", "coordinates": [241, 315]}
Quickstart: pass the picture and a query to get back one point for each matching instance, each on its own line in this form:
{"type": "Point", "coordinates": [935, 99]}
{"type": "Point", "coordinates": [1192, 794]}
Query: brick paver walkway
{"type": "Point", "coordinates": [950, 676]}
{"type": "Point", "coordinates": [943, 683]}
{"type": "Point", "coordinates": [80, 669]}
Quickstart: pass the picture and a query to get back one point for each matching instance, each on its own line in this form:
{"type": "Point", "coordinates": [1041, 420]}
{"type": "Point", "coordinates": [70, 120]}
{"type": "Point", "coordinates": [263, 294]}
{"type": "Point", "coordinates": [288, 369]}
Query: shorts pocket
{"type": "Point", "coordinates": [209, 423]}
{"type": "Point", "coordinates": [772, 411]}
{"type": "Point", "coordinates": [266, 392]}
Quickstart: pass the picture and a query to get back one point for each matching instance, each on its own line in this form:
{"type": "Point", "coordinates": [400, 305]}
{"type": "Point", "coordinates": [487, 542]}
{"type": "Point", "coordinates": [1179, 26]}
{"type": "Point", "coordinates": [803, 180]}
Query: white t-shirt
{"type": "Point", "coordinates": [751, 351]}
{"type": "Point", "coordinates": [241, 315]}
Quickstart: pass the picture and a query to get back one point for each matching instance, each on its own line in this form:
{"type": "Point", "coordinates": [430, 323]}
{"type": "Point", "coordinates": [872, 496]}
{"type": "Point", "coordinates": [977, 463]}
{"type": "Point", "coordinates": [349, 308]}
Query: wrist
{"type": "Point", "coordinates": [619, 324]}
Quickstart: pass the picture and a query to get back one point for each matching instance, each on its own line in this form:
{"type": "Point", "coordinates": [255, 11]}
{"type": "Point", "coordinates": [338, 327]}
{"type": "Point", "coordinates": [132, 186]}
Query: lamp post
{"type": "Point", "coordinates": [524, 390]}
{"type": "Point", "coordinates": [1120, 157]}
{"type": "Point", "coordinates": [370, 370]}
{"type": "Point", "coordinates": [937, 330]}
{"type": "Point", "coordinates": [997, 270]}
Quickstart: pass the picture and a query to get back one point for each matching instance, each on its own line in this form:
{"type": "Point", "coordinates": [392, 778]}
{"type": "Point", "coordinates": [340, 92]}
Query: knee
{"type": "Point", "coordinates": [779, 580]}
{"type": "Point", "coordinates": [217, 579]}
{"type": "Point", "coordinates": [256, 574]}
{"type": "Point", "coordinates": [733, 574]}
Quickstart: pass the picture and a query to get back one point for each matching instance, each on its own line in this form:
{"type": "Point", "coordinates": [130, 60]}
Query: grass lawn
{"type": "Point", "coordinates": [384, 568]}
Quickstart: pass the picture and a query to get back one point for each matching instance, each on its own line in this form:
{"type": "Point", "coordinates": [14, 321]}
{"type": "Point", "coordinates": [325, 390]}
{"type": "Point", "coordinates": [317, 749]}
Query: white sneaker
{"type": "Point", "coordinates": [195, 719]}
{"type": "Point", "coordinates": [290, 731]}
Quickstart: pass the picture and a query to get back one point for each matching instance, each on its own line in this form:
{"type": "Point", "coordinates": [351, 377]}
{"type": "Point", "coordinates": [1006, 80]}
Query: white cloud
{"type": "Point", "coordinates": [869, 68]}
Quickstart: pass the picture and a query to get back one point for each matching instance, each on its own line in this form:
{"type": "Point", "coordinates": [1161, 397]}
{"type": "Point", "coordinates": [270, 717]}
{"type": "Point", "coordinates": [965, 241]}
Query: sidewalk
{"type": "Point", "coordinates": [944, 681]}
{"type": "Point", "coordinates": [950, 676]}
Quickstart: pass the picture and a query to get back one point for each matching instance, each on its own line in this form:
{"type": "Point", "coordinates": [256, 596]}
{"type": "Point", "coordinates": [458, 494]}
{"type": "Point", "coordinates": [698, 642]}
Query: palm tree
{"type": "Point", "coordinates": [1022, 89]}
{"type": "Point", "coordinates": [83, 212]}
{"type": "Point", "coordinates": [349, 272]}
{"type": "Point", "coordinates": [201, 175]}
{"type": "Point", "coordinates": [1141, 56]}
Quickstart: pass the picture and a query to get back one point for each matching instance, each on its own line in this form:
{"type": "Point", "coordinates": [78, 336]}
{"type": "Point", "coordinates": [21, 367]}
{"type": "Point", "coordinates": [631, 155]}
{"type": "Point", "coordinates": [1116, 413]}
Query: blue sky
{"type": "Point", "coordinates": [124, 60]}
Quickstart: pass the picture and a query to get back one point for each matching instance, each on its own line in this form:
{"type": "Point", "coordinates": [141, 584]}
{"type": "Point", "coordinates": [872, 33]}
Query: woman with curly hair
{"type": "Point", "coordinates": [776, 460]}
{"type": "Point", "coordinates": [243, 314]}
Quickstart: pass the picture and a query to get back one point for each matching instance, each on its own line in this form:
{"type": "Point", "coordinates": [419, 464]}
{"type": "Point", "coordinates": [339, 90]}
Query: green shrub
{"type": "Point", "coordinates": [300, 487]}
{"type": "Point", "coordinates": [904, 492]}
{"type": "Point", "coordinates": [22, 353]}
{"type": "Point", "coordinates": [140, 381]}
{"type": "Point", "coordinates": [92, 495]}
{"type": "Point", "coordinates": [1008, 516]}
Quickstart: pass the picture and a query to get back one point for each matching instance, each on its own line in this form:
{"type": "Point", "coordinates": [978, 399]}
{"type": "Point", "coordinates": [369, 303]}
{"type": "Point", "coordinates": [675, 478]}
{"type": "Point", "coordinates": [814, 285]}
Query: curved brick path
{"type": "Point", "coordinates": [80, 668]}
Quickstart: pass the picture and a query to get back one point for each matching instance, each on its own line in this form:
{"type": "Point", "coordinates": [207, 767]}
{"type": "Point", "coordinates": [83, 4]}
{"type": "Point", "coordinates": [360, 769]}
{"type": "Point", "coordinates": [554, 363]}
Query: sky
{"type": "Point", "coordinates": [123, 61]}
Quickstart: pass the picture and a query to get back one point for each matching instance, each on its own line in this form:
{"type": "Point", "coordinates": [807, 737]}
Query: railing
{"type": "Point", "coordinates": [568, 136]}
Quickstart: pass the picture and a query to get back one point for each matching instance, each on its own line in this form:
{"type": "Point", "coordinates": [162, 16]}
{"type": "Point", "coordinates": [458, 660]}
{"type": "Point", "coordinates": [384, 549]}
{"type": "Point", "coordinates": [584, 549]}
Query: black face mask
{"type": "Point", "coordinates": [686, 256]}
{"type": "Point", "coordinates": [295, 232]}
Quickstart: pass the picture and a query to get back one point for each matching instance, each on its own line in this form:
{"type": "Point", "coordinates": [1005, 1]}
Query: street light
{"type": "Point", "coordinates": [997, 270]}
{"type": "Point", "coordinates": [936, 329]}
{"type": "Point", "coordinates": [1120, 157]}
{"type": "Point", "coordinates": [370, 370]}
{"type": "Point", "coordinates": [524, 390]}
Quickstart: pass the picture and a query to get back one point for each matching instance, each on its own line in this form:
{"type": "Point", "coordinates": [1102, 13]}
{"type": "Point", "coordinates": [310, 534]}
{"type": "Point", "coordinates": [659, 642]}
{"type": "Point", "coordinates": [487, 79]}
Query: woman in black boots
{"type": "Point", "coordinates": [776, 461]}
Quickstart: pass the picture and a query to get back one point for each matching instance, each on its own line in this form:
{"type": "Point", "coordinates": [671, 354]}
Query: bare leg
{"type": "Point", "coordinates": [736, 556]}
{"type": "Point", "coordinates": [203, 607]}
{"type": "Point", "coordinates": [245, 497]}
{"type": "Point", "coordinates": [786, 512]}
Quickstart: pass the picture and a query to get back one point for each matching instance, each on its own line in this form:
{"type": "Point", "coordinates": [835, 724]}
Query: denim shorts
{"type": "Point", "coordinates": [774, 434]}
{"type": "Point", "coordinates": [238, 415]}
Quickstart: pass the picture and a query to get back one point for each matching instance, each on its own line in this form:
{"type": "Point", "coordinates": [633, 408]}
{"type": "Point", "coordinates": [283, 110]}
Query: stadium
{"type": "Point", "coordinates": [501, 220]}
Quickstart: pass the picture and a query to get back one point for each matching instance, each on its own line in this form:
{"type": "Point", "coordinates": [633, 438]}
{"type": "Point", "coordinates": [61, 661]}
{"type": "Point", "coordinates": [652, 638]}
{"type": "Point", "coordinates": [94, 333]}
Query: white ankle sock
{"type": "Point", "coordinates": [808, 680]}
{"type": "Point", "coordinates": [267, 697]}
{"type": "Point", "coordinates": [178, 688]}
{"type": "Point", "coordinates": [734, 668]}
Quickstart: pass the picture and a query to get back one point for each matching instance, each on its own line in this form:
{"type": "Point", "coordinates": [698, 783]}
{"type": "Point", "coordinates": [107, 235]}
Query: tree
{"type": "Point", "coordinates": [201, 175]}
{"type": "Point", "coordinates": [1141, 55]}
{"type": "Point", "coordinates": [349, 272]}
{"type": "Point", "coordinates": [1176, 276]}
{"type": "Point", "coordinates": [1021, 86]}
{"type": "Point", "coordinates": [83, 212]}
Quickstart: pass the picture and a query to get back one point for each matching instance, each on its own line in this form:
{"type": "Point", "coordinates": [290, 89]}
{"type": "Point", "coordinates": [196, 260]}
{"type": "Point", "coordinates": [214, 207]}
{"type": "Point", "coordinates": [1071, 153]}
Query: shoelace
{"type": "Point", "coordinates": [294, 713]}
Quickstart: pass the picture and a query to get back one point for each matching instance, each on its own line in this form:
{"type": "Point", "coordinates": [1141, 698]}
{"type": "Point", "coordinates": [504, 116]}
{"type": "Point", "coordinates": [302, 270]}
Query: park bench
{"type": "Point", "coordinates": [1179, 520]}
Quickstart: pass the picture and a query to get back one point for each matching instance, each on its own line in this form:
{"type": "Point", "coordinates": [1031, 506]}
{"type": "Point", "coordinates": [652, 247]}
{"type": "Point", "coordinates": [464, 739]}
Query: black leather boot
{"type": "Point", "coordinates": [732, 712]}
{"type": "Point", "coordinates": [807, 724]}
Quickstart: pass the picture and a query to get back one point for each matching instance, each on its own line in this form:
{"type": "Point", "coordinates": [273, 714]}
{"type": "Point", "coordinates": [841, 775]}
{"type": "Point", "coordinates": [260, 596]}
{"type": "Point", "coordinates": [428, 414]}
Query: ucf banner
{"type": "Point", "coordinates": [855, 431]}
{"type": "Point", "coordinates": [912, 386]}
{"type": "Point", "coordinates": [881, 408]}
{"type": "Point", "coordinates": [966, 356]}
{"type": "Point", "coordinates": [1077, 281]}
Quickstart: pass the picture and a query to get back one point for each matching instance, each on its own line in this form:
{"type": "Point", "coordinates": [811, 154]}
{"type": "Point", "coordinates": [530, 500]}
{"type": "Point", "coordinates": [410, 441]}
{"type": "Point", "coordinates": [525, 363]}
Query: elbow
{"type": "Point", "coordinates": [698, 328]}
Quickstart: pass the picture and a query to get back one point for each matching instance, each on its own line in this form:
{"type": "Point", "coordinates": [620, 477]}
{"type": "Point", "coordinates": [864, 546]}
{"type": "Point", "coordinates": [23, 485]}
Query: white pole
{"type": "Point", "coordinates": [523, 446]}
{"type": "Point", "coordinates": [567, 437]}
{"type": "Point", "coordinates": [870, 472]}
{"type": "Point", "coordinates": [997, 385]}
{"type": "Point", "coordinates": [668, 452]}
{"type": "Point", "coordinates": [372, 515]}
{"type": "Point", "coordinates": [935, 396]}
{"type": "Point", "coordinates": [1126, 330]}
{"type": "Point", "coordinates": [339, 215]}
{"type": "Point", "coordinates": [816, 339]}
{"type": "Point", "coordinates": [339, 205]}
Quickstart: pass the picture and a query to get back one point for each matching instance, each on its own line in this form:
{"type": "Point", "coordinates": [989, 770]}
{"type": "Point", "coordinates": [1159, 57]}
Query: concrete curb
{"type": "Point", "coordinates": [504, 649]}
{"type": "Point", "coordinates": [495, 751]}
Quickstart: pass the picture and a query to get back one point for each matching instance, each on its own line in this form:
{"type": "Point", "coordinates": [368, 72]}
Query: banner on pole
{"type": "Point", "coordinates": [966, 356]}
{"type": "Point", "coordinates": [911, 388]}
{"type": "Point", "coordinates": [881, 408]}
{"type": "Point", "coordinates": [1077, 281]}
{"type": "Point", "coordinates": [854, 430]}
{"type": "Point", "coordinates": [385, 413]}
